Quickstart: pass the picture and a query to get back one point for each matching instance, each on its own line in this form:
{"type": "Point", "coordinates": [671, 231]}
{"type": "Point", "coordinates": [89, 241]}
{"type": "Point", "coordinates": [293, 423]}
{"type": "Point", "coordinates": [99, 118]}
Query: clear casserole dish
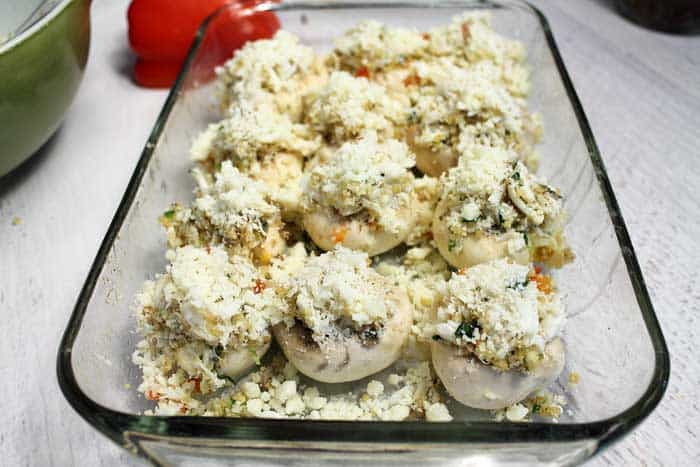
{"type": "Point", "coordinates": [613, 337]}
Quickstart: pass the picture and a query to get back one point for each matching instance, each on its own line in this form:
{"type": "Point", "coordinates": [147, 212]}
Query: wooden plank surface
{"type": "Point", "coordinates": [640, 90]}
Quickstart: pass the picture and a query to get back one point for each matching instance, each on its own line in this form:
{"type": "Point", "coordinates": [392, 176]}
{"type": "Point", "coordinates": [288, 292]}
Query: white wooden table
{"type": "Point", "coordinates": [640, 89]}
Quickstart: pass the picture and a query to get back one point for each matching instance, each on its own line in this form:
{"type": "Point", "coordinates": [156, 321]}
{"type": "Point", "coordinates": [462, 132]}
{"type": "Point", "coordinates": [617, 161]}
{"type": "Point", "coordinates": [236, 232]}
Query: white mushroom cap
{"type": "Point", "coordinates": [349, 355]}
{"type": "Point", "coordinates": [232, 362]}
{"type": "Point", "coordinates": [481, 386]}
{"type": "Point", "coordinates": [432, 163]}
{"type": "Point", "coordinates": [472, 249]}
{"type": "Point", "coordinates": [328, 229]}
{"type": "Point", "coordinates": [235, 362]}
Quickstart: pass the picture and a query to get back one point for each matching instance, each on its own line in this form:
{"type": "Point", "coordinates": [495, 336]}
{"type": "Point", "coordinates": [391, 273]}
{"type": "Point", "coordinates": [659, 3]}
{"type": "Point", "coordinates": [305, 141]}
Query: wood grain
{"type": "Point", "coordinates": [640, 90]}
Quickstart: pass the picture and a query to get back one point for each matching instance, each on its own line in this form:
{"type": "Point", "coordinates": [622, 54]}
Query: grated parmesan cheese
{"type": "Point", "coordinates": [373, 46]}
{"type": "Point", "coordinates": [348, 106]}
{"type": "Point", "coordinates": [269, 72]}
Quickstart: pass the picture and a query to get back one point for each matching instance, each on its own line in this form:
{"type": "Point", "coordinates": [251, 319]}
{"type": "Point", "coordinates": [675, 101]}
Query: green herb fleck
{"type": "Point", "coordinates": [436, 337]}
{"type": "Point", "coordinates": [467, 329]}
{"type": "Point", "coordinates": [169, 214]}
{"type": "Point", "coordinates": [516, 175]}
{"type": "Point", "coordinates": [255, 356]}
{"type": "Point", "coordinates": [519, 285]}
{"type": "Point", "coordinates": [536, 408]}
{"type": "Point", "coordinates": [451, 244]}
{"type": "Point", "coordinates": [525, 237]}
{"type": "Point", "coordinates": [227, 378]}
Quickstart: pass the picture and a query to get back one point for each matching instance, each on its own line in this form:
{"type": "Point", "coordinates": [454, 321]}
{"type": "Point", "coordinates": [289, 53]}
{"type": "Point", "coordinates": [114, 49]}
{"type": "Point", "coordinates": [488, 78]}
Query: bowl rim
{"type": "Point", "coordinates": [120, 426]}
{"type": "Point", "coordinates": [38, 25]}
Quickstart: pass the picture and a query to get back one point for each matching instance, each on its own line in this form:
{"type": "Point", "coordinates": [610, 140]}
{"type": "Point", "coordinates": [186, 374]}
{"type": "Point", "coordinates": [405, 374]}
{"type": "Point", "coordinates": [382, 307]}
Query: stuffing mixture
{"type": "Point", "coordinates": [370, 219]}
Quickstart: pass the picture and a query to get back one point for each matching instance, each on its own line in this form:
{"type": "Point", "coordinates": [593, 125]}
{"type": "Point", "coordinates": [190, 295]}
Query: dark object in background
{"type": "Point", "coordinates": [676, 16]}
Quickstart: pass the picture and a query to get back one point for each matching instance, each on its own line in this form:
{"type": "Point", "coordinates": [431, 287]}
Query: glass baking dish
{"type": "Point", "coordinates": [613, 337]}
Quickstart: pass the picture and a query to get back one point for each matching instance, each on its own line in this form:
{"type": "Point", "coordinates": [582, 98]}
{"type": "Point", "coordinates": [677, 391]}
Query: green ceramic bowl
{"type": "Point", "coordinates": [41, 65]}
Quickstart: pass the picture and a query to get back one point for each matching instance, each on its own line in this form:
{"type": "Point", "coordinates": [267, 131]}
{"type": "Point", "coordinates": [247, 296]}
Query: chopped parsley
{"type": "Point", "coordinates": [536, 408]}
{"type": "Point", "coordinates": [451, 244]}
{"type": "Point", "coordinates": [255, 355]}
{"type": "Point", "coordinates": [499, 221]}
{"type": "Point", "coordinates": [467, 329]}
{"type": "Point", "coordinates": [169, 214]}
{"type": "Point", "coordinates": [436, 337]}
{"type": "Point", "coordinates": [518, 285]}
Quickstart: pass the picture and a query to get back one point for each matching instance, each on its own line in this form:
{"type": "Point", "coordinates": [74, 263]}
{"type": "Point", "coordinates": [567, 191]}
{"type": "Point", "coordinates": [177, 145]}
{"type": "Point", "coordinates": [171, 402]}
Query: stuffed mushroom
{"type": "Point", "coordinates": [234, 211]}
{"type": "Point", "coordinates": [362, 197]}
{"type": "Point", "coordinates": [343, 320]}
{"type": "Point", "coordinates": [492, 207]}
{"type": "Point", "coordinates": [497, 334]}
{"type": "Point", "coordinates": [455, 108]}
{"type": "Point", "coordinates": [222, 307]}
{"type": "Point", "coordinates": [263, 145]}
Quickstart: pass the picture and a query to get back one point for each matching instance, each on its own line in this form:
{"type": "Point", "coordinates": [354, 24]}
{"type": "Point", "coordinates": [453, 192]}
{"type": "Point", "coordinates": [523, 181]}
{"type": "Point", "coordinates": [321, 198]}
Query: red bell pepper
{"type": "Point", "coordinates": [161, 33]}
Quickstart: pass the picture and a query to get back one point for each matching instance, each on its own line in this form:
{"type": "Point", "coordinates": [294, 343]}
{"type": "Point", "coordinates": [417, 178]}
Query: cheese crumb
{"type": "Point", "coordinates": [394, 379]}
{"type": "Point", "coordinates": [574, 378]}
{"type": "Point", "coordinates": [251, 390]}
{"type": "Point", "coordinates": [437, 413]}
{"type": "Point", "coordinates": [516, 413]}
{"type": "Point", "coordinates": [375, 388]}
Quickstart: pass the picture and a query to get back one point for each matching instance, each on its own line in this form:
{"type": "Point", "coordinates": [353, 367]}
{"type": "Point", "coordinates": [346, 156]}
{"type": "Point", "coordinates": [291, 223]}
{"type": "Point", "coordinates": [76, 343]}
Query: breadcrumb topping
{"type": "Point", "coordinates": [302, 132]}
{"type": "Point", "coordinates": [269, 72]}
{"type": "Point", "coordinates": [249, 136]}
{"type": "Point", "coordinates": [348, 106]}
{"type": "Point", "coordinates": [373, 46]}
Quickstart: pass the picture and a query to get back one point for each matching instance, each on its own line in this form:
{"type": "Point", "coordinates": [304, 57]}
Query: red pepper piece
{"type": "Point", "coordinates": [153, 74]}
{"type": "Point", "coordinates": [161, 33]}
